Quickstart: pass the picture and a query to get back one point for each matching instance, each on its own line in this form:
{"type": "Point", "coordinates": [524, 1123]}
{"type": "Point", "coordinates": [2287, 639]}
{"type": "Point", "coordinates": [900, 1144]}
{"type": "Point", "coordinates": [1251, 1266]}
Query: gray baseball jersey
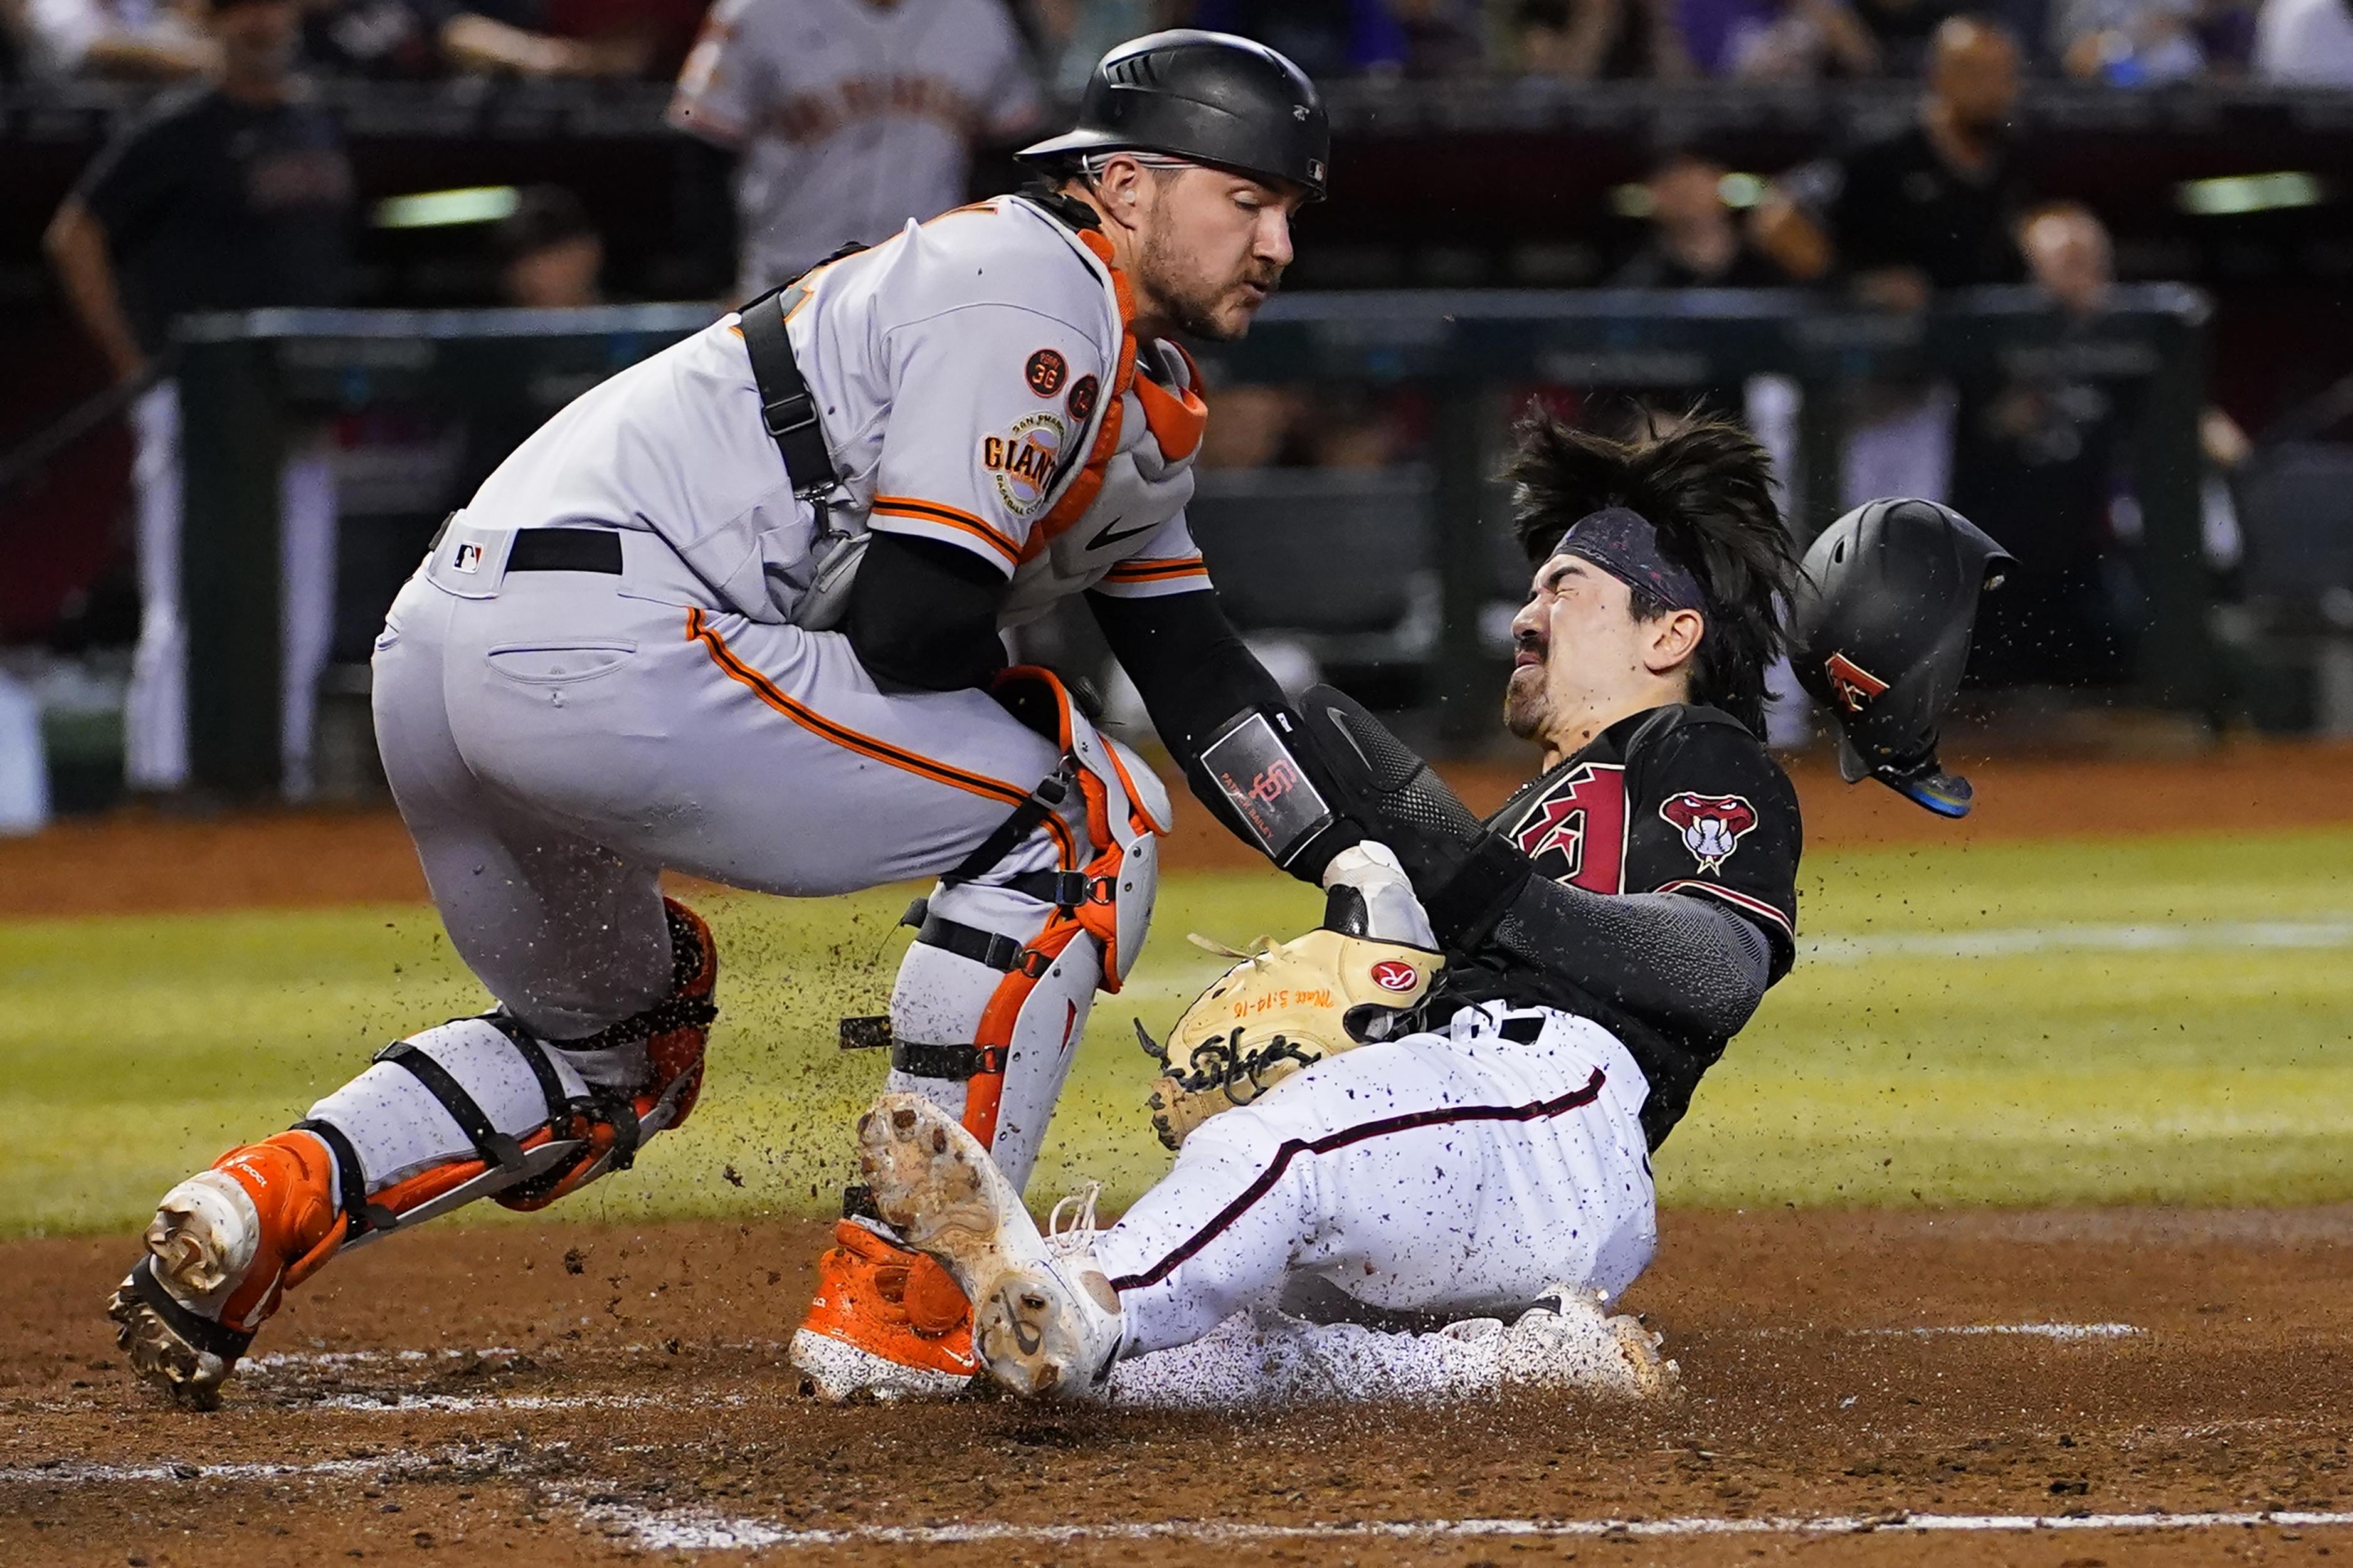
{"type": "Point", "coordinates": [853, 116]}
{"type": "Point", "coordinates": [979, 384]}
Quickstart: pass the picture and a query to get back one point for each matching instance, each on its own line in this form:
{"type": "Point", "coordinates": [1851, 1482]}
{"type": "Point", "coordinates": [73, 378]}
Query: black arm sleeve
{"type": "Point", "coordinates": [922, 614]}
{"type": "Point", "coordinates": [1678, 963]}
{"type": "Point", "coordinates": [1195, 673]}
{"type": "Point", "coordinates": [1189, 665]}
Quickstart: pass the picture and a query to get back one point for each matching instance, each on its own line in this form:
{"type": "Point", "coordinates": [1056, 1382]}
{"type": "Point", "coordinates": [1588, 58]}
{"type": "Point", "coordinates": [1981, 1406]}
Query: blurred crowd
{"type": "Point", "coordinates": [2127, 43]}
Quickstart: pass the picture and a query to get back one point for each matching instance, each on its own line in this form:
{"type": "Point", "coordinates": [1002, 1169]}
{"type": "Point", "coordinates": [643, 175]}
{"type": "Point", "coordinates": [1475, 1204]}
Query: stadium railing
{"type": "Point", "coordinates": [246, 379]}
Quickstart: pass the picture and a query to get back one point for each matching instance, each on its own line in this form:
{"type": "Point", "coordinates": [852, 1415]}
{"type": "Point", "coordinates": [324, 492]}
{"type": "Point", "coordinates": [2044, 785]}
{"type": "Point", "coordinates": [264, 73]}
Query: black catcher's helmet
{"type": "Point", "coordinates": [1886, 601]}
{"type": "Point", "coordinates": [1212, 98]}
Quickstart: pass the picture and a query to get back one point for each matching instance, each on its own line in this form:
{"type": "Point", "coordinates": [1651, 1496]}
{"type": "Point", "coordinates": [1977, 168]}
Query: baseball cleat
{"type": "Point", "coordinates": [1568, 1340]}
{"type": "Point", "coordinates": [1045, 1323]}
{"type": "Point", "coordinates": [887, 1323]}
{"type": "Point", "coordinates": [221, 1250]}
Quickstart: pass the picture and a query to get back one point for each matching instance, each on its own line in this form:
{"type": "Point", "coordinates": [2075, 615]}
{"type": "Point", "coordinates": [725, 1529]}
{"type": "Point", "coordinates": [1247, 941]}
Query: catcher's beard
{"type": "Point", "coordinates": [1191, 300]}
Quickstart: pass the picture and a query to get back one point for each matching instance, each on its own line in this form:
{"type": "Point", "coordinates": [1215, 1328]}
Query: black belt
{"type": "Point", "coordinates": [566, 550]}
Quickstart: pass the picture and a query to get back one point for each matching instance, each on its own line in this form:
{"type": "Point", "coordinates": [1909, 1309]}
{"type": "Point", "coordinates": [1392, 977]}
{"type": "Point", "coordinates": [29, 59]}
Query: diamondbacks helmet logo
{"type": "Point", "coordinates": [1712, 824]}
{"type": "Point", "coordinates": [1853, 685]}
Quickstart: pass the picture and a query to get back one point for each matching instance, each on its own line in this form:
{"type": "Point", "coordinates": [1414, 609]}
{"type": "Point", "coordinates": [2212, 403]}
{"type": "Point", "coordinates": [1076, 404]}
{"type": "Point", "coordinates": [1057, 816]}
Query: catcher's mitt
{"type": "Point", "coordinates": [1284, 1006]}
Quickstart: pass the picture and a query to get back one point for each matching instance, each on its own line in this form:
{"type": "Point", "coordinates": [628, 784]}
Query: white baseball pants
{"type": "Point", "coordinates": [1456, 1172]}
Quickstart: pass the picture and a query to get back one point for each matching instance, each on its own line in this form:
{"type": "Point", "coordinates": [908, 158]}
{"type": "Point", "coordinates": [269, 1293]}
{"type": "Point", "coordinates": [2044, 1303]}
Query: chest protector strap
{"type": "Point", "coordinates": [786, 409]}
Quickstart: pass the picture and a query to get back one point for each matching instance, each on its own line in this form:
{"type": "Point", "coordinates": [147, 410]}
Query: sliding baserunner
{"type": "Point", "coordinates": [1598, 941]}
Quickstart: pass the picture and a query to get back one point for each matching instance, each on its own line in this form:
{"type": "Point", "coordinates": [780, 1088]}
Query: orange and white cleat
{"type": "Point", "coordinates": [223, 1249]}
{"type": "Point", "coordinates": [888, 1323]}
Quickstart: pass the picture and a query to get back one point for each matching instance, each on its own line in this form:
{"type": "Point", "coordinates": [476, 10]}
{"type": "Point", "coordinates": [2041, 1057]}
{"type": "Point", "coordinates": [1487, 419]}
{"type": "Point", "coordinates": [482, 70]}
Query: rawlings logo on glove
{"type": "Point", "coordinates": [1284, 1007]}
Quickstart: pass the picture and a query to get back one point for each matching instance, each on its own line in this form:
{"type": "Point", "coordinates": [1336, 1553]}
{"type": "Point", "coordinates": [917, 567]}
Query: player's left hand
{"type": "Point", "coordinates": [1288, 1004]}
{"type": "Point", "coordinates": [1461, 871]}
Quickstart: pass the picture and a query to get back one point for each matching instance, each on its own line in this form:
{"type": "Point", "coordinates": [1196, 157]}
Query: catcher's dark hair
{"type": "Point", "coordinates": [1706, 486]}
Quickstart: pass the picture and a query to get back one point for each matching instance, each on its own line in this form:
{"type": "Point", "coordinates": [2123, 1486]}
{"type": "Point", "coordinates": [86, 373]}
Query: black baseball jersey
{"type": "Point", "coordinates": [1673, 800]}
{"type": "Point", "coordinates": [214, 204]}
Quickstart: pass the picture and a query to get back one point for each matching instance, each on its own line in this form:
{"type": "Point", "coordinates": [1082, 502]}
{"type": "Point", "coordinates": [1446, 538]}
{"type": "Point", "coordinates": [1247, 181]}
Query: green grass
{"type": "Point", "coordinates": [1891, 1067]}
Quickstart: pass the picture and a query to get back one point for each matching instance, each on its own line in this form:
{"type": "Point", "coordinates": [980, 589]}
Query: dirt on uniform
{"type": "Point", "coordinates": [582, 1395]}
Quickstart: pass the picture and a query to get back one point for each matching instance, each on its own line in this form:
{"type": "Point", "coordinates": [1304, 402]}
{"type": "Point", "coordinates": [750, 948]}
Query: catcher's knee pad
{"type": "Point", "coordinates": [996, 990]}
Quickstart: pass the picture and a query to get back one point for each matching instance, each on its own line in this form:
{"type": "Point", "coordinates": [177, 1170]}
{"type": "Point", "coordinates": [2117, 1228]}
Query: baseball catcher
{"type": "Point", "coordinates": [1481, 1149]}
{"type": "Point", "coordinates": [736, 612]}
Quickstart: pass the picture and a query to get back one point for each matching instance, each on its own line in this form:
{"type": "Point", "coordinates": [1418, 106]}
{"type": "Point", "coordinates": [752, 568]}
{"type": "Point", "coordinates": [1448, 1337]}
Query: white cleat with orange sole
{"type": "Point", "coordinates": [1045, 1323]}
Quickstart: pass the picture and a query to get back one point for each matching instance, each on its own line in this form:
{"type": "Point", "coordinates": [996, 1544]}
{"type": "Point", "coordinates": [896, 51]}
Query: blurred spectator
{"type": "Point", "coordinates": [232, 196]}
{"type": "Point", "coordinates": [551, 256]}
{"type": "Point", "coordinates": [1902, 29]}
{"type": "Point", "coordinates": [1259, 425]}
{"type": "Point", "coordinates": [1585, 40]}
{"type": "Point", "coordinates": [423, 38]}
{"type": "Point", "coordinates": [1582, 41]}
{"type": "Point", "coordinates": [2139, 43]}
{"type": "Point", "coordinates": [1694, 242]}
{"type": "Point", "coordinates": [1343, 37]}
{"type": "Point", "coordinates": [1775, 40]}
{"type": "Point", "coordinates": [1433, 38]}
{"type": "Point", "coordinates": [1931, 206]}
{"type": "Point", "coordinates": [140, 39]}
{"type": "Point", "coordinates": [2306, 43]}
{"type": "Point", "coordinates": [1072, 34]}
{"type": "Point", "coordinates": [850, 116]}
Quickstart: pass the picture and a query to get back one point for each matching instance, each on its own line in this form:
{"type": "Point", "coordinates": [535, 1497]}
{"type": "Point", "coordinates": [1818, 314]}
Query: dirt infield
{"type": "Point", "coordinates": [576, 1394]}
{"type": "Point", "coordinates": [141, 862]}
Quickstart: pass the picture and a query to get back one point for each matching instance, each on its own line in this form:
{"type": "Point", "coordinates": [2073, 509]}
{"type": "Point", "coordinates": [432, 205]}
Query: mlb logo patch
{"type": "Point", "coordinates": [468, 558]}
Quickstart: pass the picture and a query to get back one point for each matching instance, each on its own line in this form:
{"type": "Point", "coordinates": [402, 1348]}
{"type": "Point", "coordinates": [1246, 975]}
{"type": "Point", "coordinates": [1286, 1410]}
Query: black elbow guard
{"type": "Point", "coordinates": [1260, 775]}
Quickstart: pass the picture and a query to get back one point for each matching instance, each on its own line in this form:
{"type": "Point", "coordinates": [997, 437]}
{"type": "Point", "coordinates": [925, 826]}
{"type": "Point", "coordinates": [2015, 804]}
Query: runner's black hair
{"type": "Point", "coordinates": [1707, 486]}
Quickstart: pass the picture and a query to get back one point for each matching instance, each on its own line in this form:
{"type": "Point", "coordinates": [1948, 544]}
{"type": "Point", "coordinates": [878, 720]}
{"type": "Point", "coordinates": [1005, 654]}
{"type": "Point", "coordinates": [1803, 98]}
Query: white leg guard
{"type": "Point", "coordinates": [477, 1108]}
{"type": "Point", "coordinates": [950, 1043]}
{"type": "Point", "coordinates": [993, 997]}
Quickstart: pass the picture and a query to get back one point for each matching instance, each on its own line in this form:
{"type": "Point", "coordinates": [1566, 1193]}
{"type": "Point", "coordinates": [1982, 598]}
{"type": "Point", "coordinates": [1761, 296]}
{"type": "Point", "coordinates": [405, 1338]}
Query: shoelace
{"type": "Point", "coordinates": [1079, 1235]}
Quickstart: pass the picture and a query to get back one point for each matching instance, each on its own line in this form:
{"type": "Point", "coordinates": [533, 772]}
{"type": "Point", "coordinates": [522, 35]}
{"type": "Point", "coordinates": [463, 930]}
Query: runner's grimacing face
{"type": "Point", "coordinates": [1575, 638]}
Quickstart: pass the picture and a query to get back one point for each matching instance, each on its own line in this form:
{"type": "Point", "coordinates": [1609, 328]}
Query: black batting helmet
{"type": "Point", "coordinates": [1210, 97]}
{"type": "Point", "coordinates": [1887, 600]}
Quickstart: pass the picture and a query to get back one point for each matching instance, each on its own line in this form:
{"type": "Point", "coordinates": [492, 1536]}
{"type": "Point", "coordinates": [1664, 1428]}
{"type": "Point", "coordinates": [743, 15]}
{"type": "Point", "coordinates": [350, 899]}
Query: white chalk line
{"type": "Point", "coordinates": [72, 1472]}
{"type": "Point", "coordinates": [701, 1531]}
{"type": "Point", "coordinates": [386, 1402]}
{"type": "Point", "coordinates": [2083, 937]}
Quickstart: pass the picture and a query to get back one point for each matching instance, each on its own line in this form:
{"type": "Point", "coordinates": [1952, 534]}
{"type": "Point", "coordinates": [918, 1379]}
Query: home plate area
{"type": "Point", "coordinates": [2062, 1388]}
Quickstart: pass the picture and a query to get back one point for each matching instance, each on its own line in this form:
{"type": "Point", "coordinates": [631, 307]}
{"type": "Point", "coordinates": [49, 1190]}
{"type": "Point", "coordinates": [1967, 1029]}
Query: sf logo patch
{"type": "Point", "coordinates": [1046, 371]}
{"type": "Point", "coordinates": [1852, 684]}
{"type": "Point", "coordinates": [1022, 461]}
{"type": "Point", "coordinates": [1711, 825]}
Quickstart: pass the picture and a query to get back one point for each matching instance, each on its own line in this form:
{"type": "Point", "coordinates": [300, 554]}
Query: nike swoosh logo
{"type": "Point", "coordinates": [1105, 539]}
